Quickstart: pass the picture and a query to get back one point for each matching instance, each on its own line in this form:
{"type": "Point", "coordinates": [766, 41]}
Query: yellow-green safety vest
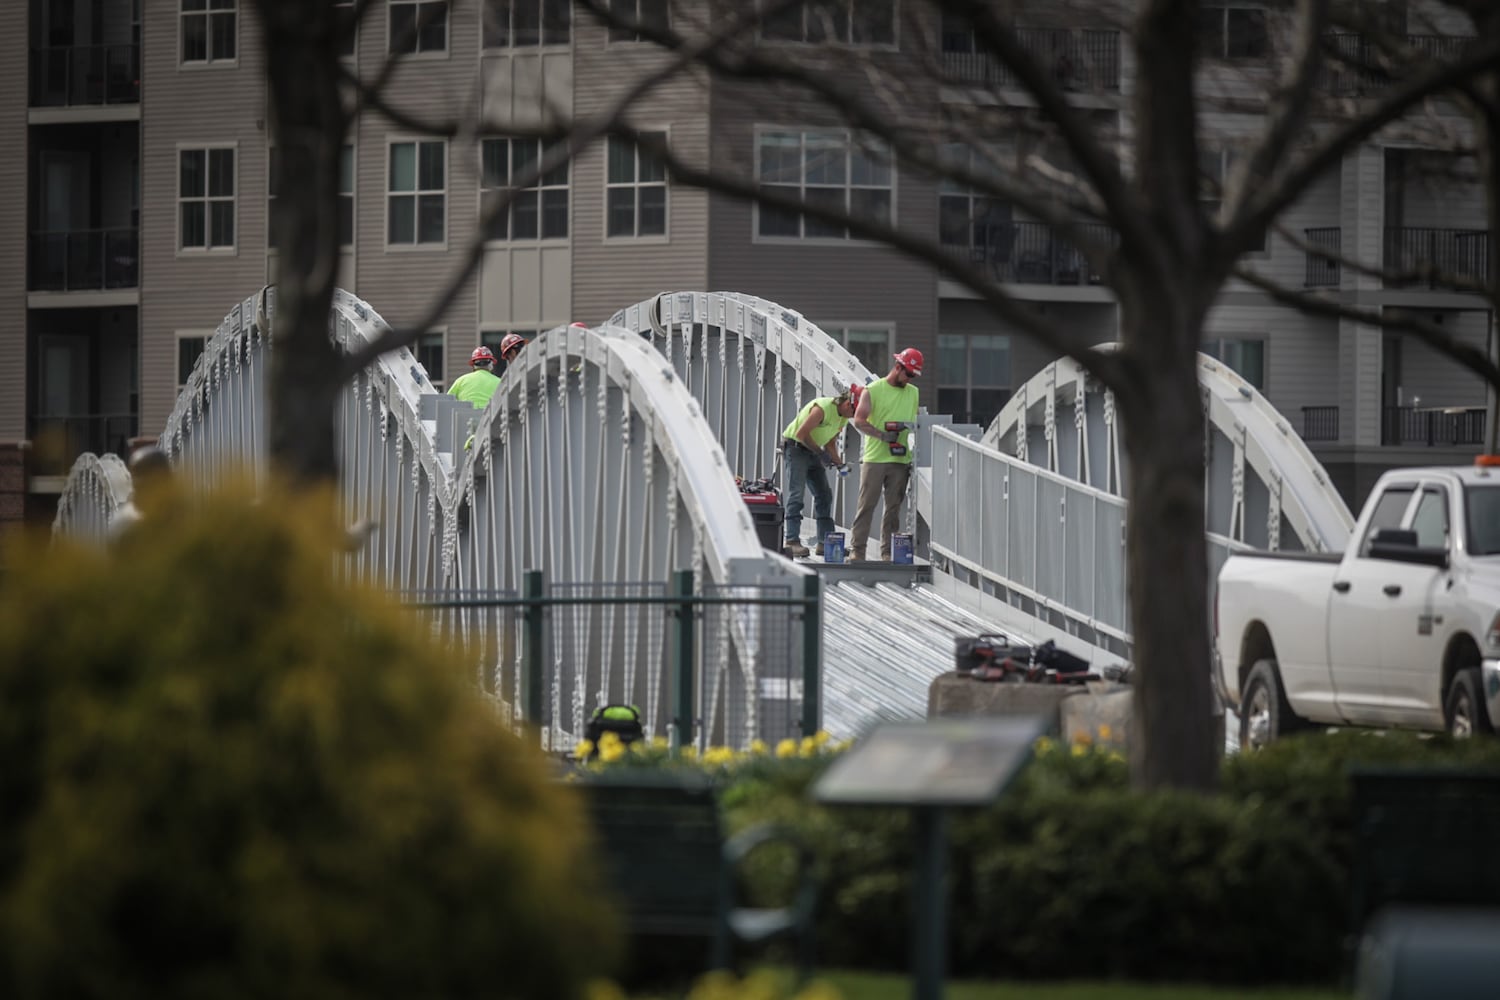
{"type": "Point", "coordinates": [824, 432]}
{"type": "Point", "coordinates": [888, 403]}
{"type": "Point", "coordinates": [476, 387]}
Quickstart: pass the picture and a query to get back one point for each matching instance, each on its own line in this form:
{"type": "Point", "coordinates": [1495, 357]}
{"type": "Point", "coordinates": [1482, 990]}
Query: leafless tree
{"type": "Point", "coordinates": [1026, 104]}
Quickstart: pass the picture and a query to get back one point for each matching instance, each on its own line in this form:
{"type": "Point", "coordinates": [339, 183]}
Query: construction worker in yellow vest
{"type": "Point", "coordinates": [476, 387]}
{"type": "Point", "coordinates": [810, 445]}
{"type": "Point", "coordinates": [885, 416]}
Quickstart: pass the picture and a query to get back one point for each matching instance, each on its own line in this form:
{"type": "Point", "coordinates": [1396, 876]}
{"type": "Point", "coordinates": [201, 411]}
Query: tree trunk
{"type": "Point", "coordinates": [308, 127]}
{"type": "Point", "coordinates": [1174, 740]}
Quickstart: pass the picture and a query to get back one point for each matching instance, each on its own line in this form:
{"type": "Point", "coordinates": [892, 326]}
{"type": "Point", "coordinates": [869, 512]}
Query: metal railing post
{"type": "Point", "coordinates": [533, 641]}
{"type": "Point", "coordinates": [680, 733]}
{"type": "Point", "coordinates": [812, 654]}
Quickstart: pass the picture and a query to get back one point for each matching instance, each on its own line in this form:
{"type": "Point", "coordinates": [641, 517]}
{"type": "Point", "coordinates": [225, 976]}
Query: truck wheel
{"type": "Point", "coordinates": [1464, 709]}
{"type": "Point", "coordinates": [1265, 714]}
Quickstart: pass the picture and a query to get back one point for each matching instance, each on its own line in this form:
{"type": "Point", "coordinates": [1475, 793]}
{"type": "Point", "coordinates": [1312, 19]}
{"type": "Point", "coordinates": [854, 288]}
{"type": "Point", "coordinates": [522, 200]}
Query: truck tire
{"type": "Point", "coordinates": [1265, 715]}
{"type": "Point", "coordinates": [1464, 710]}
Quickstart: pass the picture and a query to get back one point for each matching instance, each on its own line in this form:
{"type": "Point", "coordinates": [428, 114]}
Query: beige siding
{"type": "Point", "coordinates": [403, 283]}
{"type": "Point", "coordinates": [13, 84]}
{"type": "Point", "coordinates": [184, 107]}
{"type": "Point", "coordinates": [609, 274]}
{"type": "Point", "coordinates": [832, 279]}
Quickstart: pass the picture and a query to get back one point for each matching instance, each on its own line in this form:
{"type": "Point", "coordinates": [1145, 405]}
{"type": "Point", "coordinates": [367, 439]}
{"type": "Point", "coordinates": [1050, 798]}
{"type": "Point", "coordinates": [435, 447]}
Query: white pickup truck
{"type": "Point", "coordinates": [1402, 630]}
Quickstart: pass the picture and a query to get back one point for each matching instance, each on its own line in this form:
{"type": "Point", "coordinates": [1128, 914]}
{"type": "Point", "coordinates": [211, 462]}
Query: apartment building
{"type": "Point", "coordinates": [134, 207]}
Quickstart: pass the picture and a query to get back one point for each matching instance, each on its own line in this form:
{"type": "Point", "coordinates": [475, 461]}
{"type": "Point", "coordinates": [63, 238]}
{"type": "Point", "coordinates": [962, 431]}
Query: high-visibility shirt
{"type": "Point", "coordinates": [888, 403]}
{"type": "Point", "coordinates": [476, 387]}
{"type": "Point", "coordinates": [824, 432]}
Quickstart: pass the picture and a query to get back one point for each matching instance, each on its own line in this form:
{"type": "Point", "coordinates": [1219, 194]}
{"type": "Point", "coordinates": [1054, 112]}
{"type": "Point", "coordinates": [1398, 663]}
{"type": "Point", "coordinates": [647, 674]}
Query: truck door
{"type": "Point", "coordinates": [1355, 611]}
{"type": "Point", "coordinates": [1417, 624]}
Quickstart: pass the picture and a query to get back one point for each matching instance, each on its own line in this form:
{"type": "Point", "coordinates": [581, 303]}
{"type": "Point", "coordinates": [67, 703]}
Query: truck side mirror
{"type": "Point", "coordinates": [1400, 545]}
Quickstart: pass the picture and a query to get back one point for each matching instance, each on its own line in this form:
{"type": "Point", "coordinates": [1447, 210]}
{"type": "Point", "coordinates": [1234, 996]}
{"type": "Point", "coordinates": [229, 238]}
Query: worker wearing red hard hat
{"type": "Point", "coordinates": [477, 386]}
{"type": "Point", "coordinates": [886, 414]}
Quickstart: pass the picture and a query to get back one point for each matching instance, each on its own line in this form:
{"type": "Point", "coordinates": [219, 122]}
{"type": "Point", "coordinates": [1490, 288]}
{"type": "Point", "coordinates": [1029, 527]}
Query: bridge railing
{"type": "Point", "coordinates": [1049, 546]}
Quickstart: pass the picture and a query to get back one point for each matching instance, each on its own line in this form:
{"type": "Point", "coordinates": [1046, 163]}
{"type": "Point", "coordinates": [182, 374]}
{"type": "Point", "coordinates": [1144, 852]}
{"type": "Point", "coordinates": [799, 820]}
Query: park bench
{"type": "Point", "coordinates": [1425, 882]}
{"type": "Point", "coordinates": [666, 861]}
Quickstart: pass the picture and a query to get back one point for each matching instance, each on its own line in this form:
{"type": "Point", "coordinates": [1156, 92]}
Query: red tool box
{"type": "Point", "coordinates": [764, 501]}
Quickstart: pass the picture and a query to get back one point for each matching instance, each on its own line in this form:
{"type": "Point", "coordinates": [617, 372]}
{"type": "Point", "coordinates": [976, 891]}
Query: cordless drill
{"type": "Point", "coordinates": [893, 429]}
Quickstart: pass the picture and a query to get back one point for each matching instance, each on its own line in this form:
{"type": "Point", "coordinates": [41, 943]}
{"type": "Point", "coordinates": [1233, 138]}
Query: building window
{"type": "Point", "coordinates": [348, 26]}
{"type": "Point", "coordinates": [189, 349]}
{"type": "Point", "coordinates": [540, 209]}
{"type": "Point", "coordinates": [209, 29]}
{"type": "Point", "coordinates": [650, 15]}
{"type": "Point", "coordinates": [205, 198]}
{"type": "Point", "coordinates": [520, 23]}
{"type": "Point", "coordinates": [967, 218]}
{"type": "Point", "coordinates": [846, 22]}
{"type": "Point", "coordinates": [431, 349]}
{"type": "Point", "coordinates": [416, 199]}
{"type": "Point", "coordinates": [870, 344]}
{"type": "Point", "coordinates": [346, 197]}
{"type": "Point", "coordinates": [1245, 355]}
{"type": "Point", "coordinates": [827, 168]}
{"type": "Point", "coordinates": [973, 376]}
{"type": "Point", "coordinates": [1233, 33]}
{"type": "Point", "coordinates": [418, 26]}
{"type": "Point", "coordinates": [1214, 166]}
{"type": "Point", "coordinates": [635, 190]}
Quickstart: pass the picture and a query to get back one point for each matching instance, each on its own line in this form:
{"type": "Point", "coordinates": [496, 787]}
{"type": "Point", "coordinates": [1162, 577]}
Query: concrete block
{"type": "Point", "coordinates": [950, 695]}
{"type": "Point", "coordinates": [1101, 713]}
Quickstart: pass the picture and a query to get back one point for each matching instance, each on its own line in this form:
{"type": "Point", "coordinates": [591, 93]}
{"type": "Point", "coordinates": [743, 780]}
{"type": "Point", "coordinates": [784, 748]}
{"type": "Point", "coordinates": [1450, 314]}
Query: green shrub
{"type": "Point", "coordinates": [227, 774]}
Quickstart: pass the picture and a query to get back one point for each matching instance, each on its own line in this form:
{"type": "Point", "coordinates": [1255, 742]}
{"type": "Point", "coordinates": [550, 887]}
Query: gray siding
{"type": "Point", "coordinates": [1090, 322]}
{"type": "Point", "coordinates": [611, 274]}
{"type": "Point", "coordinates": [402, 283]}
{"type": "Point", "coordinates": [187, 106]}
{"type": "Point", "coordinates": [13, 84]}
{"type": "Point", "coordinates": [1436, 379]}
{"type": "Point", "coordinates": [1301, 353]}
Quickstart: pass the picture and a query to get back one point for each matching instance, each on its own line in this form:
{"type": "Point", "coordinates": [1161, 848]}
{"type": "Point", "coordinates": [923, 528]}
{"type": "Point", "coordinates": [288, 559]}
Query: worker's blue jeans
{"type": "Point", "coordinates": [804, 470]}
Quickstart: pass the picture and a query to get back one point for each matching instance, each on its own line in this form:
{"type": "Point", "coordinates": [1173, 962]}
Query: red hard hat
{"type": "Point", "coordinates": [581, 326]}
{"type": "Point", "coordinates": [911, 360]}
{"type": "Point", "coordinates": [511, 340]}
{"type": "Point", "coordinates": [481, 353]}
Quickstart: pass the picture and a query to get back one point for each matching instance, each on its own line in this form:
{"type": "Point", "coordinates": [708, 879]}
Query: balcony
{"type": "Point", "coordinates": [76, 75]}
{"type": "Point", "coordinates": [84, 260]}
{"type": "Point", "coordinates": [1432, 427]}
{"type": "Point", "coordinates": [1033, 253]}
{"type": "Point", "coordinates": [1320, 423]}
{"type": "Point", "coordinates": [1323, 272]}
{"type": "Point", "coordinates": [57, 441]}
{"type": "Point", "coordinates": [1432, 258]}
{"type": "Point", "coordinates": [1357, 67]}
{"type": "Point", "coordinates": [1078, 59]}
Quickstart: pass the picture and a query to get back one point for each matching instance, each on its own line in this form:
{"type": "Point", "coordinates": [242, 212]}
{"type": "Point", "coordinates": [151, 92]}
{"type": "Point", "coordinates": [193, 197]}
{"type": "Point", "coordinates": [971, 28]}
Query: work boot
{"type": "Point", "coordinates": [795, 549]}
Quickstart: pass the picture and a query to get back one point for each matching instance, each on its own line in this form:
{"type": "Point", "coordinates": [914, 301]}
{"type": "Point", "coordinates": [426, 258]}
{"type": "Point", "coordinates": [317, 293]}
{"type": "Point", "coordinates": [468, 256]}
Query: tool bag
{"type": "Point", "coordinates": [984, 650]}
{"type": "Point", "coordinates": [622, 720]}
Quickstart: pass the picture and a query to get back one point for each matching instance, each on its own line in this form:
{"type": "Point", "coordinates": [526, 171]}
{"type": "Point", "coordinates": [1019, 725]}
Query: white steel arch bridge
{"type": "Point", "coordinates": [606, 460]}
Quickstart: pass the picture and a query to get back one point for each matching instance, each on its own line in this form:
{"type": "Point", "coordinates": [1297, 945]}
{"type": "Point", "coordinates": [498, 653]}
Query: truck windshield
{"type": "Point", "coordinates": [1484, 520]}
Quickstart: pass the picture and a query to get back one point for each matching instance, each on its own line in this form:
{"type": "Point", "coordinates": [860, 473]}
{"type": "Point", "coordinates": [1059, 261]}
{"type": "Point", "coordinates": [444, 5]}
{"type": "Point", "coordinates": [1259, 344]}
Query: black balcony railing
{"type": "Point", "coordinates": [1320, 423]}
{"type": "Point", "coordinates": [1434, 257]}
{"type": "Point", "coordinates": [57, 441]}
{"type": "Point", "coordinates": [85, 74]}
{"type": "Point", "coordinates": [1322, 257]}
{"type": "Point", "coordinates": [1357, 66]}
{"type": "Point", "coordinates": [1433, 426]}
{"type": "Point", "coordinates": [1032, 253]}
{"type": "Point", "coordinates": [85, 260]}
{"type": "Point", "coordinates": [1077, 59]}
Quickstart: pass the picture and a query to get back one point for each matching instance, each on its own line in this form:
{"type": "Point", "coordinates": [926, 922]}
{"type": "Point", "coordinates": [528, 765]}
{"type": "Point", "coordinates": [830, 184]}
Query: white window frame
{"type": "Point", "coordinates": [208, 13]}
{"type": "Point", "coordinates": [637, 185]}
{"type": "Point", "coordinates": [177, 339]}
{"type": "Point", "coordinates": [206, 199]}
{"type": "Point", "coordinates": [417, 246]}
{"type": "Point", "coordinates": [419, 53]}
{"type": "Point", "coordinates": [849, 138]}
{"type": "Point", "coordinates": [840, 331]}
{"type": "Point", "coordinates": [1213, 346]}
{"type": "Point", "coordinates": [442, 383]}
{"type": "Point", "coordinates": [541, 187]}
{"type": "Point", "coordinates": [510, 42]}
{"type": "Point", "coordinates": [620, 36]}
{"type": "Point", "coordinates": [892, 45]}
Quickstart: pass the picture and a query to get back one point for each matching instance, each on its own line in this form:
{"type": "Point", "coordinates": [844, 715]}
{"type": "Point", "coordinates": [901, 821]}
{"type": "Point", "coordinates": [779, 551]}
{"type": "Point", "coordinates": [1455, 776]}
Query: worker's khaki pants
{"type": "Point", "coordinates": [877, 481]}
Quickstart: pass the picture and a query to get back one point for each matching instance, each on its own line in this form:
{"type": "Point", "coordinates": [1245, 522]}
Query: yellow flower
{"type": "Point", "coordinates": [583, 749]}
{"type": "Point", "coordinates": [714, 756]}
{"type": "Point", "coordinates": [689, 752]}
{"type": "Point", "coordinates": [1104, 732]}
{"type": "Point", "coordinates": [821, 737]}
{"type": "Point", "coordinates": [786, 748]}
{"type": "Point", "coordinates": [1042, 746]}
{"type": "Point", "coordinates": [610, 739]}
{"type": "Point", "coordinates": [1079, 750]}
{"type": "Point", "coordinates": [1117, 756]}
{"type": "Point", "coordinates": [758, 747]}
{"type": "Point", "coordinates": [807, 747]}
{"type": "Point", "coordinates": [609, 752]}
{"type": "Point", "coordinates": [659, 743]}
